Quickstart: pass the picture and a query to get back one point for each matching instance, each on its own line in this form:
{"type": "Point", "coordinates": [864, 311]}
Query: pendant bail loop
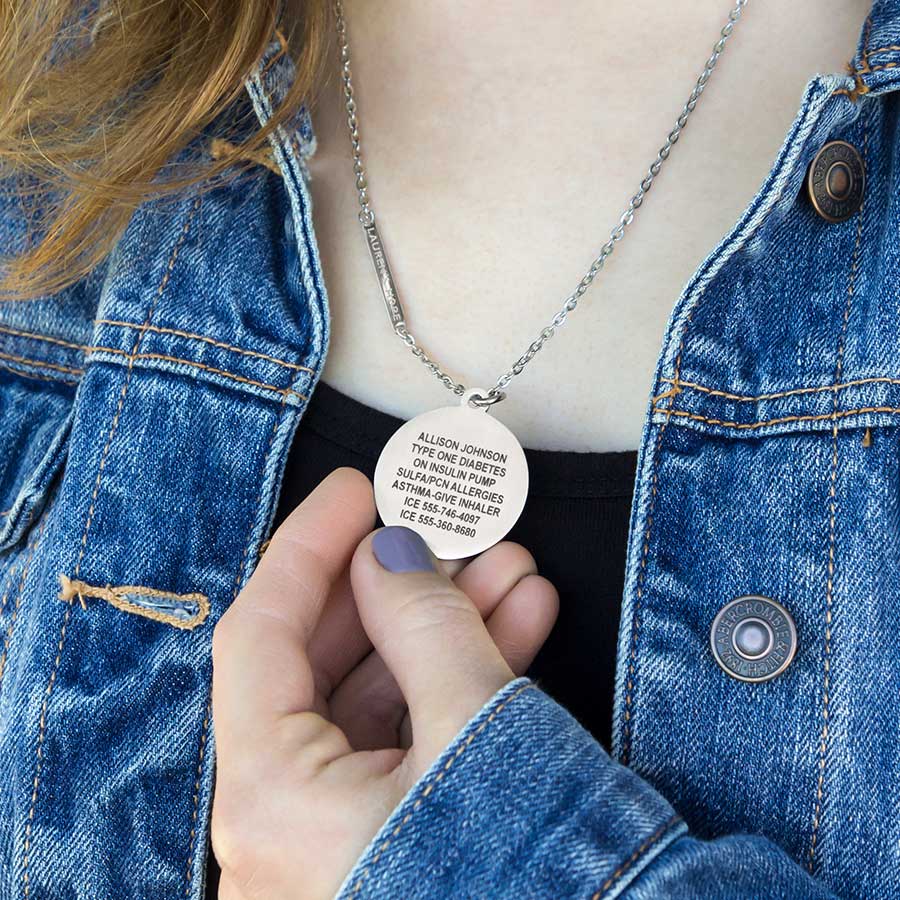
{"type": "Point", "coordinates": [481, 398]}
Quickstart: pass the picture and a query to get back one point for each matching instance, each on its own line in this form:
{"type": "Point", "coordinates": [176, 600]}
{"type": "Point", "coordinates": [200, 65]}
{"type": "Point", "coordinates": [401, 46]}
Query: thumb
{"type": "Point", "coordinates": [428, 632]}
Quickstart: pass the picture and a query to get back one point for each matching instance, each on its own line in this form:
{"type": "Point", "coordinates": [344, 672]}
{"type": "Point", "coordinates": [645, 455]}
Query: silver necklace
{"type": "Point", "coordinates": [455, 474]}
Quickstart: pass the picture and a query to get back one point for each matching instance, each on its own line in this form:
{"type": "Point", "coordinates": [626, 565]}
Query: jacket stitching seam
{"type": "Point", "coordinates": [195, 802]}
{"type": "Point", "coordinates": [639, 594]}
{"type": "Point", "coordinates": [635, 857]}
{"type": "Point", "coordinates": [32, 336]}
{"type": "Point", "coordinates": [877, 68]}
{"type": "Point", "coordinates": [745, 426]}
{"type": "Point", "coordinates": [294, 166]}
{"type": "Point", "coordinates": [187, 362]}
{"type": "Point", "coordinates": [157, 329]}
{"type": "Point", "coordinates": [433, 783]}
{"type": "Point", "coordinates": [832, 512]}
{"type": "Point", "coordinates": [195, 805]}
{"type": "Point", "coordinates": [42, 722]}
{"type": "Point", "coordinates": [36, 375]}
{"type": "Point", "coordinates": [66, 370]}
{"type": "Point", "coordinates": [639, 591]}
{"type": "Point", "coordinates": [791, 392]}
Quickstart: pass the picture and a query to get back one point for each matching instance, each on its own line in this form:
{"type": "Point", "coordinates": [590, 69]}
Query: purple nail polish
{"type": "Point", "coordinates": [400, 549]}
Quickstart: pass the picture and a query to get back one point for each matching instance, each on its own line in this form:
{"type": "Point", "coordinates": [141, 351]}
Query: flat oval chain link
{"type": "Point", "coordinates": [379, 258]}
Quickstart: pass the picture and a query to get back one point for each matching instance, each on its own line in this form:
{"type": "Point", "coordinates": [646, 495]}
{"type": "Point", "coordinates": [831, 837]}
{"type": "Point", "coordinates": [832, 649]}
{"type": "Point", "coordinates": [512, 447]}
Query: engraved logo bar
{"type": "Point", "coordinates": [383, 271]}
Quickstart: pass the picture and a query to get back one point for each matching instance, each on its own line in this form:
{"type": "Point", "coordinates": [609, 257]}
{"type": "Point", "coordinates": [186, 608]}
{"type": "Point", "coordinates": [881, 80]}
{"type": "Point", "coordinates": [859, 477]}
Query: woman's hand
{"type": "Point", "coordinates": [343, 669]}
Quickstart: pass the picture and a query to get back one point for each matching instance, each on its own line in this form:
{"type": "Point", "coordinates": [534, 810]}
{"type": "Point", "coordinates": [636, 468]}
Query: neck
{"type": "Point", "coordinates": [486, 67]}
{"type": "Point", "coordinates": [501, 146]}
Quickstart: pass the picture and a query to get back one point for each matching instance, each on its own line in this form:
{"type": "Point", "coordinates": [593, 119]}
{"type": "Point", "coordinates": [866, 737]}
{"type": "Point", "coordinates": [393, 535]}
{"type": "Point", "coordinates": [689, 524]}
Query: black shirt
{"type": "Point", "coordinates": [575, 524]}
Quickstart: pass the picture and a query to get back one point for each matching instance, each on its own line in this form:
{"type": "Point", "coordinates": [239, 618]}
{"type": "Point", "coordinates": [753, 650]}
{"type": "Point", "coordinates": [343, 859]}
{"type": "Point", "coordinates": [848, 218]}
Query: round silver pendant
{"type": "Point", "coordinates": [456, 476]}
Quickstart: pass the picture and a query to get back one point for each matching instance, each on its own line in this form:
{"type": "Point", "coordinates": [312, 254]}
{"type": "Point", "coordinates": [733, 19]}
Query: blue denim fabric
{"type": "Point", "coordinates": [145, 418]}
{"type": "Point", "coordinates": [525, 803]}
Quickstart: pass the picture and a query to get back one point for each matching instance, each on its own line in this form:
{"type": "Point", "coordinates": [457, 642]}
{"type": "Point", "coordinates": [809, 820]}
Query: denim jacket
{"type": "Point", "coordinates": [145, 419]}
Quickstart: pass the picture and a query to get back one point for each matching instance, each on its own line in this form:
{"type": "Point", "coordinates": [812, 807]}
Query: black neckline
{"type": "Point", "coordinates": [552, 473]}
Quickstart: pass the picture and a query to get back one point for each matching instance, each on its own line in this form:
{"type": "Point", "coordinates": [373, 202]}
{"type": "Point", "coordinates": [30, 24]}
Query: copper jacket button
{"type": "Point", "coordinates": [753, 638]}
{"type": "Point", "coordinates": [836, 181]}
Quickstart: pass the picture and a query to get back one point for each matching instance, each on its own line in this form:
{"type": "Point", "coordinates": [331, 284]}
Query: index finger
{"type": "Point", "coordinates": [261, 672]}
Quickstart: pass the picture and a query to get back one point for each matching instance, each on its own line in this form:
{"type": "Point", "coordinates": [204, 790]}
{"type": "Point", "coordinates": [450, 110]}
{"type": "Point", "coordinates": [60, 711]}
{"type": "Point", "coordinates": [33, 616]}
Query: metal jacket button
{"type": "Point", "coordinates": [836, 181]}
{"type": "Point", "coordinates": [753, 638]}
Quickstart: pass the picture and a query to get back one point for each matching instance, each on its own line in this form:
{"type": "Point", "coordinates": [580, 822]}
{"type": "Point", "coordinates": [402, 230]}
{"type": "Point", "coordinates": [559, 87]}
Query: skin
{"type": "Point", "coordinates": [337, 683]}
{"type": "Point", "coordinates": [502, 144]}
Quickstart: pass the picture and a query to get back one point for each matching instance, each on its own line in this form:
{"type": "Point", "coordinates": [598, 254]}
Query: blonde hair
{"type": "Point", "coordinates": [97, 99]}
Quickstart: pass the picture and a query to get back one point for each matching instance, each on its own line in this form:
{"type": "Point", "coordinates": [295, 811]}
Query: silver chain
{"type": "Point", "coordinates": [379, 258]}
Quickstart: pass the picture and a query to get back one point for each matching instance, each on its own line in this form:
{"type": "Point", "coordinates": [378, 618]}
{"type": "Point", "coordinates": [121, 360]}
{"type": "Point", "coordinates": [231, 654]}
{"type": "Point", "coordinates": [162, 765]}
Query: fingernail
{"type": "Point", "coordinates": [400, 549]}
